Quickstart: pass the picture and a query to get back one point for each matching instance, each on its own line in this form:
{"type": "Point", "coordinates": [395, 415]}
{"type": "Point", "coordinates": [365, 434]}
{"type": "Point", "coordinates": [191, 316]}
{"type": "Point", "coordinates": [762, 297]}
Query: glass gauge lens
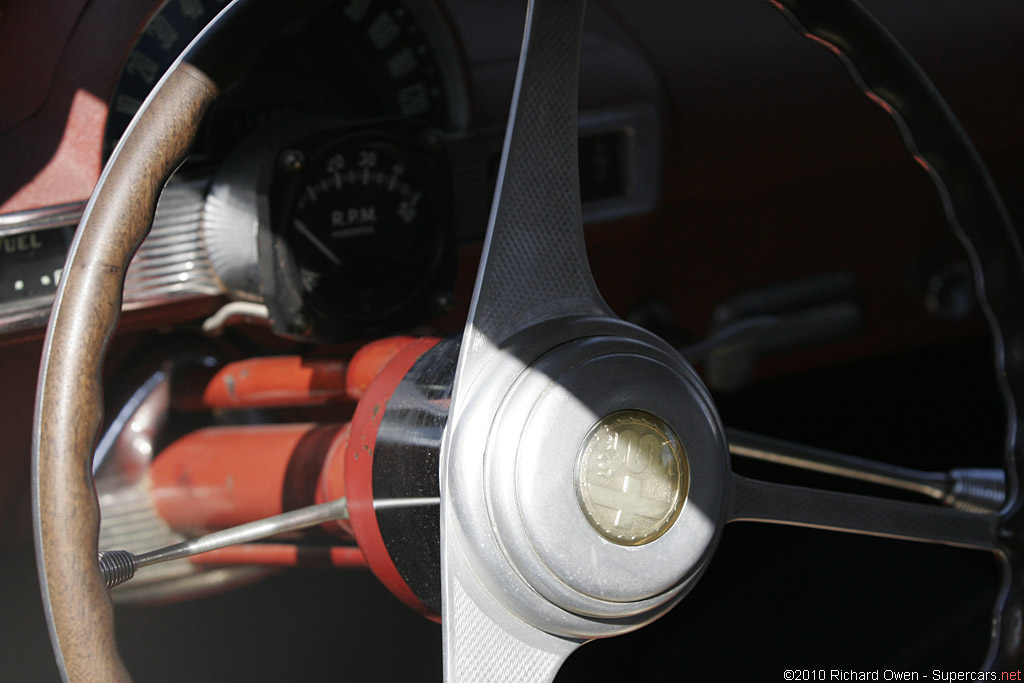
{"type": "Point", "coordinates": [365, 203]}
{"type": "Point", "coordinates": [362, 58]}
{"type": "Point", "coordinates": [366, 228]}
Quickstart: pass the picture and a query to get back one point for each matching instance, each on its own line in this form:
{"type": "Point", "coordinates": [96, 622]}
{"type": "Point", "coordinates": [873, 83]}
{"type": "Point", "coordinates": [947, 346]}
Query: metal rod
{"type": "Point", "coordinates": [293, 520]}
{"type": "Point", "coordinates": [391, 503]}
{"type": "Point", "coordinates": [745, 444]}
{"type": "Point", "coordinates": [118, 566]}
{"type": "Point", "coordinates": [973, 489]}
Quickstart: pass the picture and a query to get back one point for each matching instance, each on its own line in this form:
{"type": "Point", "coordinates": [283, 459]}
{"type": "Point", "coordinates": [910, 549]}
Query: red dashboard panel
{"type": "Point", "coordinates": [62, 60]}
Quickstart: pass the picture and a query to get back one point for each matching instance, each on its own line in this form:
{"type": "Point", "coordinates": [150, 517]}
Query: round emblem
{"type": "Point", "coordinates": [632, 477]}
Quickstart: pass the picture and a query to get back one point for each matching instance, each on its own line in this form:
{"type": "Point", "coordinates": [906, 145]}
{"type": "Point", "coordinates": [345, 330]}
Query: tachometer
{"type": "Point", "coordinates": [363, 233]}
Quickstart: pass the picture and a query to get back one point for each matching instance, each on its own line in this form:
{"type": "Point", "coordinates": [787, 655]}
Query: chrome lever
{"type": "Point", "coordinates": [118, 566]}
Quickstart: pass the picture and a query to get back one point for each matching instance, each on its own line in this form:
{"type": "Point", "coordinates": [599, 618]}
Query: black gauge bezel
{"type": "Point", "coordinates": [297, 312]}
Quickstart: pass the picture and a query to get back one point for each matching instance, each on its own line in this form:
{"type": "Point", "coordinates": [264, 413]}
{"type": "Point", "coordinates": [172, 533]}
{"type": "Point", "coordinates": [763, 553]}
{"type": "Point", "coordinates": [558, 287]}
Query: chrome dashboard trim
{"type": "Point", "coordinates": [172, 264]}
{"type": "Point", "coordinates": [57, 216]}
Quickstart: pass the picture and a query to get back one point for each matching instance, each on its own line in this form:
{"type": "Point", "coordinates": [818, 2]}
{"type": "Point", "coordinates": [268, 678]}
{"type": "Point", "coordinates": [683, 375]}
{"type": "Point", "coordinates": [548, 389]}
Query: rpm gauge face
{"type": "Point", "coordinates": [366, 202]}
{"type": "Point", "coordinates": [367, 228]}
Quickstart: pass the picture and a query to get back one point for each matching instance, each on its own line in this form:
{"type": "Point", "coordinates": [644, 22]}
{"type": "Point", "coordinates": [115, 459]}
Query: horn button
{"type": "Point", "coordinates": [631, 477]}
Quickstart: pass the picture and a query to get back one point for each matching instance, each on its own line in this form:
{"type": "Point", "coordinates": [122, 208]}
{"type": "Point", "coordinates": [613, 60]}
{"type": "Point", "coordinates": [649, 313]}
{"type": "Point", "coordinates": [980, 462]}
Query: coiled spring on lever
{"type": "Point", "coordinates": [117, 566]}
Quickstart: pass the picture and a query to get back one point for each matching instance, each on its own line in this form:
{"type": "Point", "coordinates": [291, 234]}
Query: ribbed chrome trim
{"type": "Point", "coordinates": [172, 262]}
{"type": "Point", "coordinates": [130, 522]}
{"type": "Point", "coordinates": [171, 265]}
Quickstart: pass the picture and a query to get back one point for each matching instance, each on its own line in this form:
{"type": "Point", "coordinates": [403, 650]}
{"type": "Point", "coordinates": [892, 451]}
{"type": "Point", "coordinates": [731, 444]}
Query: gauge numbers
{"type": "Point", "coordinates": [367, 227]}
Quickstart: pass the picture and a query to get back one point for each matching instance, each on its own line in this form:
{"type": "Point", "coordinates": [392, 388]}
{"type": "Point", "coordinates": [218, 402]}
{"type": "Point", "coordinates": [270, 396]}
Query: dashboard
{"type": "Point", "coordinates": [341, 194]}
{"type": "Point", "coordinates": [388, 93]}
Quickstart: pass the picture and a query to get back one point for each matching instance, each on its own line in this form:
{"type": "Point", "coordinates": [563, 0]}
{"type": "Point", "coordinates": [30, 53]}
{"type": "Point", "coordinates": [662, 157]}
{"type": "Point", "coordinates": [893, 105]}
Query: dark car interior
{"type": "Point", "coordinates": [741, 199]}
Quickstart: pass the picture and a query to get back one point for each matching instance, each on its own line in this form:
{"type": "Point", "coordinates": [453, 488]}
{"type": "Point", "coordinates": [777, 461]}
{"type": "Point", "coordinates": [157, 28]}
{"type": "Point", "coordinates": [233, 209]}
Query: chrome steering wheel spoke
{"type": "Point", "coordinates": [534, 264]}
{"type": "Point", "coordinates": [544, 366]}
{"type": "Point", "coordinates": [533, 268]}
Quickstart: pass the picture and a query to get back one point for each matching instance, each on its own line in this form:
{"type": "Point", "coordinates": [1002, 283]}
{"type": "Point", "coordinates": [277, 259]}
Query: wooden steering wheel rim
{"type": "Point", "coordinates": [85, 313]}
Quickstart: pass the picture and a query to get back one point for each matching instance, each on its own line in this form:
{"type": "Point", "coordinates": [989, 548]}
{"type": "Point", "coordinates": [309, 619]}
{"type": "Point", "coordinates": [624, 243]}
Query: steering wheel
{"type": "Point", "coordinates": [554, 397]}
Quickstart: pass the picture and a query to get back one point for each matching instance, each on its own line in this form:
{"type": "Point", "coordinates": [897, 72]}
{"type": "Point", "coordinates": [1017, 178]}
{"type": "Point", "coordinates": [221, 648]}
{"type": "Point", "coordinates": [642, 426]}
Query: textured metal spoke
{"type": "Point", "coordinates": [534, 264]}
{"type": "Point", "coordinates": [533, 269]}
{"type": "Point", "coordinates": [759, 501]}
{"type": "Point", "coordinates": [482, 642]}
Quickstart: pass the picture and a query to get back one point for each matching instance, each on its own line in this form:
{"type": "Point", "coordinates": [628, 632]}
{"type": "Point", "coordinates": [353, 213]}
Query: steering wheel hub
{"type": "Point", "coordinates": [602, 490]}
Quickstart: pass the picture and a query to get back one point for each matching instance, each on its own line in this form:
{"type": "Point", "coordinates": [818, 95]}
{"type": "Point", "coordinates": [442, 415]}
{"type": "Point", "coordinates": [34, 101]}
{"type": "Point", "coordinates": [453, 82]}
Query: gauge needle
{"type": "Point", "coordinates": [315, 241]}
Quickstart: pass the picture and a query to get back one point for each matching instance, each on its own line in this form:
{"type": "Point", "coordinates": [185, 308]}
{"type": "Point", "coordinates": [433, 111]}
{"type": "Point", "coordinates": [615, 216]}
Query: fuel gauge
{"type": "Point", "coordinates": [31, 263]}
